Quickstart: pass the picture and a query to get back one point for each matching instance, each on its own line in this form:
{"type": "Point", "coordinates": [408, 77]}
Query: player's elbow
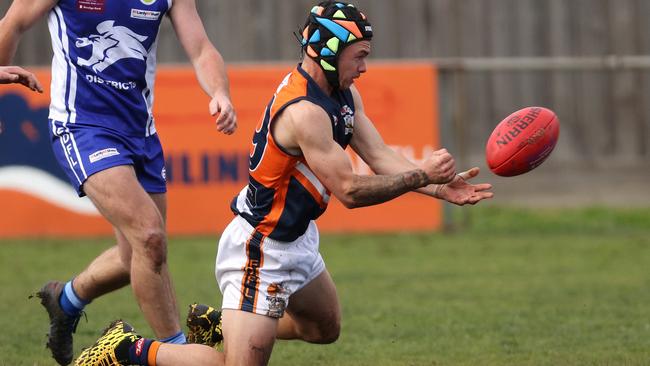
{"type": "Point", "coordinates": [349, 196]}
{"type": "Point", "coordinates": [349, 202]}
{"type": "Point", "coordinates": [353, 197]}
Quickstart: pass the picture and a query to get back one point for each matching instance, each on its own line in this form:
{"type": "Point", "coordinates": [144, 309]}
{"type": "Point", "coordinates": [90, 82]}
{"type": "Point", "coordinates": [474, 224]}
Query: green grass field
{"type": "Point", "coordinates": [515, 287]}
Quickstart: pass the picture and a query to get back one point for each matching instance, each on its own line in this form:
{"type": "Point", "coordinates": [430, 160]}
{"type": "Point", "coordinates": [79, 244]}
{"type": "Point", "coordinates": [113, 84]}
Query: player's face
{"type": "Point", "coordinates": [352, 63]}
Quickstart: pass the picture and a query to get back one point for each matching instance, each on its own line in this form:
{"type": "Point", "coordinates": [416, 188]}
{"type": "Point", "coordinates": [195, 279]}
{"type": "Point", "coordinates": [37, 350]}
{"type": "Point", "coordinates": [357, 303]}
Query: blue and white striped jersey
{"type": "Point", "coordinates": [104, 63]}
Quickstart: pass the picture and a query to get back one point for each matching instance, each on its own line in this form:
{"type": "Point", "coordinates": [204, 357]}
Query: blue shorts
{"type": "Point", "coordinates": [83, 150]}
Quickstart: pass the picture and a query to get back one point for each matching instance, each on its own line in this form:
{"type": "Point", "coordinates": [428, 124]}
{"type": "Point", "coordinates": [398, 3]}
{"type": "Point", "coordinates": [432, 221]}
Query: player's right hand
{"type": "Point", "coordinates": [440, 167]}
{"type": "Point", "coordinates": [221, 107]}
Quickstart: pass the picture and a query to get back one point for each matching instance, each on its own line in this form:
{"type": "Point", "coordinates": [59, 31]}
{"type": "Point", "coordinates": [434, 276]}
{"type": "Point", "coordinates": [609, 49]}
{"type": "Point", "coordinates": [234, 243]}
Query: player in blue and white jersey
{"type": "Point", "coordinates": [104, 137]}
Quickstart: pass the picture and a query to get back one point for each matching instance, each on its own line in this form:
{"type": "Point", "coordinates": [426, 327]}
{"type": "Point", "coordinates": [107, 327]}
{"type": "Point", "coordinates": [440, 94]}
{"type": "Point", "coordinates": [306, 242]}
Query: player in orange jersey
{"type": "Point", "coordinates": [269, 269]}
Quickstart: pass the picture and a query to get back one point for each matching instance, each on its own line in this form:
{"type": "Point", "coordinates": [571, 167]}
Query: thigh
{"type": "Point", "coordinates": [160, 199]}
{"type": "Point", "coordinates": [120, 198]}
{"type": "Point", "coordinates": [123, 245]}
{"type": "Point", "coordinates": [316, 304]}
{"type": "Point", "coordinates": [248, 337]}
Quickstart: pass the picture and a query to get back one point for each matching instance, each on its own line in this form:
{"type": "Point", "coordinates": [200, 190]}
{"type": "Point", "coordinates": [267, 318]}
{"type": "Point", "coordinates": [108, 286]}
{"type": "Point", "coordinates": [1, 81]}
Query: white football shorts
{"type": "Point", "coordinates": [258, 274]}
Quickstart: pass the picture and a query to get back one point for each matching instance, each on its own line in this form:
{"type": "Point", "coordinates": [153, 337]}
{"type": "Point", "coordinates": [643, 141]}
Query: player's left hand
{"type": "Point", "coordinates": [221, 107]}
{"type": "Point", "coordinates": [460, 192]}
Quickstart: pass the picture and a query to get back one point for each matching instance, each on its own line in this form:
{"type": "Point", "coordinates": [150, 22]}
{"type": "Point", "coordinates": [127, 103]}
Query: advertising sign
{"type": "Point", "coordinates": [206, 169]}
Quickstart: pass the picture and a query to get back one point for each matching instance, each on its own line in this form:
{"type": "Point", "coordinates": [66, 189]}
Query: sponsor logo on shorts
{"type": "Point", "coordinates": [163, 174]}
{"type": "Point", "coordinates": [277, 300]}
{"type": "Point", "coordinates": [145, 14]}
{"type": "Point", "coordinates": [276, 306]}
{"type": "Point", "coordinates": [148, 2]}
{"type": "Point", "coordinates": [103, 154]}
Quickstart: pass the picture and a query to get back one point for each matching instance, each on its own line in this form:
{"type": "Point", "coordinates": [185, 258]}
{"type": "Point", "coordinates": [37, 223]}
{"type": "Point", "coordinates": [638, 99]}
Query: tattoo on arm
{"type": "Point", "coordinates": [374, 189]}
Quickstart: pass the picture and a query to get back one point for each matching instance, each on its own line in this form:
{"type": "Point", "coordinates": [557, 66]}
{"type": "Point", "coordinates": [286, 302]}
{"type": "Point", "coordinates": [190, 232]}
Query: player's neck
{"type": "Point", "coordinates": [317, 74]}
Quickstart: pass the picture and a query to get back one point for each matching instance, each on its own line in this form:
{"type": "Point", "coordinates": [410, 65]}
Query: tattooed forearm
{"type": "Point", "coordinates": [415, 179]}
{"type": "Point", "coordinates": [375, 189]}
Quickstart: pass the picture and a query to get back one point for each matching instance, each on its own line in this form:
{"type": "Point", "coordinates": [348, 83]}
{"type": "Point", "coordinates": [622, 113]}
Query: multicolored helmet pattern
{"type": "Point", "coordinates": [330, 28]}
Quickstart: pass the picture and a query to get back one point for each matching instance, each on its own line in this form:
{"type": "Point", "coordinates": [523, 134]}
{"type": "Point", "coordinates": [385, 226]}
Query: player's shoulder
{"type": "Point", "coordinates": [305, 110]}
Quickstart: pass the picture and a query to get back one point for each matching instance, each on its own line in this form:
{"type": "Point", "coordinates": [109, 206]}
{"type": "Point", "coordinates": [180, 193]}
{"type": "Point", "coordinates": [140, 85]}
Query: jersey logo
{"type": "Point", "coordinates": [348, 119]}
{"type": "Point", "coordinates": [112, 44]}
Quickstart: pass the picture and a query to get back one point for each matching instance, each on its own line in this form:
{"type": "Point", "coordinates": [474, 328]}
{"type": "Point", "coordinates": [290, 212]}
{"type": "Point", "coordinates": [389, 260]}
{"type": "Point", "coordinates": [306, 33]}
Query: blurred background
{"type": "Point", "coordinates": [585, 59]}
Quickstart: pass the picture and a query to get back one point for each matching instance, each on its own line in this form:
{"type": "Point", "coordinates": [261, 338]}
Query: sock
{"type": "Point", "coordinates": [178, 338]}
{"type": "Point", "coordinates": [143, 352]}
{"type": "Point", "coordinates": [70, 302]}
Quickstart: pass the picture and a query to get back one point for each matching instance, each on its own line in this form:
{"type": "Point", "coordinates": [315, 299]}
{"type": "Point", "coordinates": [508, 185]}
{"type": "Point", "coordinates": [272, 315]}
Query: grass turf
{"type": "Point", "coordinates": [514, 287]}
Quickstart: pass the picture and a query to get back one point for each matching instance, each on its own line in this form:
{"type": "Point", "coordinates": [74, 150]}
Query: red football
{"type": "Point", "coordinates": [522, 141]}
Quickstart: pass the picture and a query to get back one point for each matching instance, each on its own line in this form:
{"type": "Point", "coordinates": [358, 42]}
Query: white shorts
{"type": "Point", "coordinates": [258, 274]}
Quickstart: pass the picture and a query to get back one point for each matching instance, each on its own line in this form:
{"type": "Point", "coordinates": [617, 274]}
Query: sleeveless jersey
{"type": "Point", "coordinates": [104, 63]}
{"type": "Point", "coordinates": [283, 194]}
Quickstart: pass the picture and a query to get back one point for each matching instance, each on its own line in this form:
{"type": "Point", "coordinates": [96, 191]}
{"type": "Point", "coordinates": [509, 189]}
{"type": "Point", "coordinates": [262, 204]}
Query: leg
{"type": "Point", "coordinates": [248, 337]}
{"type": "Point", "coordinates": [107, 273]}
{"type": "Point", "coordinates": [119, 344]}
{"type": "Point", "coordinates": [313, 316]}
{"type": "Point", "coordinates": [111, 270]}
{"type": "Point", "coordinates": [314, 313]}
{"type": "Point", "coordinates": [188, 354]}
{"type": "Point", "coordinates": [249, 342]}
{"type": "Point", "coordinates": [121, 199]}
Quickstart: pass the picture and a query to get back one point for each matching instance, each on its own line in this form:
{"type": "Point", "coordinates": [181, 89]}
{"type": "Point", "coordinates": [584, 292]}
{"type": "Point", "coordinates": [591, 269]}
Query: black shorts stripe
{"type": "Point", "coordinates": [251, 280]}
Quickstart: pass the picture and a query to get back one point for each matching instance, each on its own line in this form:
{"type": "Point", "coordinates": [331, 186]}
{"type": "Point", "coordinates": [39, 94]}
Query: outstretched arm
{"type": "Point", "coordinates": [22, 14]}
{"type": "Point", "coordinates": [370, 146]}
{"type": "Point", "coordinates": [207, 61]}
{"type": "Point", "coordinates": [18, 75]}
{"type": "Point", "coordinates": [306, 127]}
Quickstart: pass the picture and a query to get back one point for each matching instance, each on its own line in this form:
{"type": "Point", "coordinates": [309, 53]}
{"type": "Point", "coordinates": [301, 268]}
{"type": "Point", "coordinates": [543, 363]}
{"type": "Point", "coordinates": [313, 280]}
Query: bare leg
{"type": "Point", "coordinates": [104, 274]}
{"type": "Point", "coordinates": [248, 337]}
{"type": "Point", "coordinates": [188, 354]}
{"type": "Point", "coordinates": [161, 202]}
{"type": "Point", "coordinates": [314, 313]}
{"type": "Point", "coordinates": [120, 198]}
{"type": "Point", "coordinates": [108, 272]}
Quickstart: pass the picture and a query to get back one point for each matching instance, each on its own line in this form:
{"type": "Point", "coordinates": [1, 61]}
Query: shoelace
{"type": "Point", "coordinates": [75, 321]}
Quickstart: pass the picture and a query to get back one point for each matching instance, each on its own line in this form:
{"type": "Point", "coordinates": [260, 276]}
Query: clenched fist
{"type": "Point", "coordinates": [440, 168]}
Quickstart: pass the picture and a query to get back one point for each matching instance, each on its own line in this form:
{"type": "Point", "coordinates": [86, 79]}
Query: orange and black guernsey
{"type": "Point", "coordinates": [283, 194]}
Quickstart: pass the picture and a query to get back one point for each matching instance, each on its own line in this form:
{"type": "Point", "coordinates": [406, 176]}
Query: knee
{"type": "Point", "coordinates": [325, 333]}
{"type": "Point", "coordinates": [154, 248]}
{"type": "Point", "coordinates": [329, 336]}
